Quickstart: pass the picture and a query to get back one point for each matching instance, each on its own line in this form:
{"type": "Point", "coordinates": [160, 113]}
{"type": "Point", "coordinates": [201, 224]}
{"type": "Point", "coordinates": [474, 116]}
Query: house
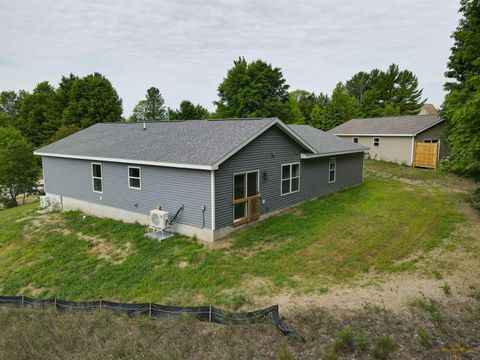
{"type": "Point", "coordinates": [216, 174]}
{"type": "Point", "coordinates": [428, 109]}
{"type": "Point", "coordinates": [398, 138]}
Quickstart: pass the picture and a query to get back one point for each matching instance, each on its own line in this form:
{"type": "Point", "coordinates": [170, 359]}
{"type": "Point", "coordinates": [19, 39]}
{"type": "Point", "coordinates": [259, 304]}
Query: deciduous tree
{"type": "Point", "coordinates": [255, 89]}
{"type": "Point", "coordinates": [18, 168]}
{"type": "Point", "coordinates": [39, 114]}
{"type": "Point", "coordinates": [189, 111]}
{"type": "Point", "coordinates": [340, 108]}
{"type": "Point", "coordinates": [461, 108]}
{"type": "Point", "coordinates": [92, 99]}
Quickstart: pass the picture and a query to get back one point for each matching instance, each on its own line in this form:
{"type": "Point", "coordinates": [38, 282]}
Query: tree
{"type": "Point", "coordinates": [64, 131]}
{"type": "Point", "coordinates": [64, 89]}
{"type": "Point", "coordinates": [306, 102]}
{"type": "Point", "coordinates": [296, 115]}
{"type": "Point", "coordinates": [406, 95]}
{"type": "Point", "coordinates": [358, 85]}
{"type": "Point", "coordinates": [39, 114]}
{"type": "Point", "coordinates": [391, 110]}
{"type": "Point", "coordinates": [152, 108]}
{"type": "Point", "coordinates": [155, 105]}
{"type": "Point", "coordinates": [378, 89]}
{"type": "Point", "coordinates": [138, 113]}
{"type": "Point", "coordinates": [92, 99]}
{"type": "Point", "coordinates": [9, 108]}
{"type": "Point", "coordinates": [9, 102]}
{"type": "Point", "coordinates": [461, 108]}
{"type": "Point", "coordinates": [189, 111]}
{"type": "Point", "coordinates": [340, 108]}
{"type": "Point", "coordinates": [18, 168]}
{"type": "Point", "coordinates": [253, 89]}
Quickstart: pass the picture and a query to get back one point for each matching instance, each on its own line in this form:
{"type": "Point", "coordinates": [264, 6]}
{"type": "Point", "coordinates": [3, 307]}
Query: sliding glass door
{"type": "Point", "coordinates": [245, 185]}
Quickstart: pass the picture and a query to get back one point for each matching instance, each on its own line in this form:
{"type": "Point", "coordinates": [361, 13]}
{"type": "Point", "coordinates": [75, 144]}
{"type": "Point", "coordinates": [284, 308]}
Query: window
{"type": "Point", "coordinates": [376, 142]}
{"type": "Point", "coordinates": [355, 140]}
{"type": "Point", "coordinates": [290, 178]}
{"type": "Point", "coordinates": [97, 181]}
{"type": "Point", "coordinates": [134, 178]}
{"type": "Point", "coordinates": [430, 141]}
{"type": "Point", "coordinates": [332, 170]}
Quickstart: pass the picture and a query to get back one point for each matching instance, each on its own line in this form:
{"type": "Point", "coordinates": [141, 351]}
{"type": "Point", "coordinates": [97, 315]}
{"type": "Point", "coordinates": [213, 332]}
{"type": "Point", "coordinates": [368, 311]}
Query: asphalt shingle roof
{"type": "Point", "coordinates": [192, 142]}
{"type": "Point", "coordinates": [324, 143]}
{"type": "Point", "coordinates": [405, 125]}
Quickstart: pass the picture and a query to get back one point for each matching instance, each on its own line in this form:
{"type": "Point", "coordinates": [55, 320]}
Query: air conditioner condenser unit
{"type": "Point", "coordinates": [158, 219]}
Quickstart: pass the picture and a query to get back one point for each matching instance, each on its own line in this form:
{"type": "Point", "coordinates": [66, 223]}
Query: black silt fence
{"type": "Point", "coordinates": [202, 313]}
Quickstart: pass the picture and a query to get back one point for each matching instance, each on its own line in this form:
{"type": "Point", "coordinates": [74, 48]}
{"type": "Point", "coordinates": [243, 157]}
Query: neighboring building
{"type": "Point", "coordinates": [428, 109]}
{"type": "Point", "coordinates": [393, 138]}
{"type": "Point", "coordinates": [224, 173]}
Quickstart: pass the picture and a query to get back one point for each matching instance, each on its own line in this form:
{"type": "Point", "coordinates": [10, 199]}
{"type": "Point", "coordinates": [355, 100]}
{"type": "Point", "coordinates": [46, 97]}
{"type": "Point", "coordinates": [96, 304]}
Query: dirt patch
{"type": "Point", "coordinates": [295, 211]}
{"type": "Point", "coordinates": [393, 294]}
{"type": "Point", "coordinates": [32, 290]}
{"type": "Point", "coordinates": [106, 250]}
{"type": "Point", "coordinates": [456, 265]}
{"type": "Point", "coordinates": [183, 264]}
{"type": "Point", "coordinates": [26, 218]}
{"type": "Point", "coordinates": [224, 243]}
{"type": "Point", "coordinates": [6, 249]}
{"type": "Point", "coordinates": [453, 185]}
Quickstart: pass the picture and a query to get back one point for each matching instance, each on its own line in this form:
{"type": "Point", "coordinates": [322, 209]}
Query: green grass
{"type": "Point", "coordinates": [436, 177]}
{"type": "Point", "coordinates": [376, 226]}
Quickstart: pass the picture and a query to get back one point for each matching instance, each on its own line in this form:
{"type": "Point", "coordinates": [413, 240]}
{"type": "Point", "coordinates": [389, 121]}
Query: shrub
{"type": "Point", "coordinates": [475, 200]}
{"type": "Point", "coordinates": [424, 338]}
{"type": "Point", "coordinates": [384, 346]}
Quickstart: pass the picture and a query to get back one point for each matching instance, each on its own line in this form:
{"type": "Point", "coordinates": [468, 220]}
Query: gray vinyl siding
{"type": "Point", "coordinates": [167, 187]}
{"type": "Point", "coordinates": [267, 153]}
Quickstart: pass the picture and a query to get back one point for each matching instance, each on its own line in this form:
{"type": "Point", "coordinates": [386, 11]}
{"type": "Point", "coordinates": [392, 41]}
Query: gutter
{"type": "Point", "coordinates": [407, 135]}
{"type": "Point", "coordinates": [313, 156]}
{"type": "Point", "coordinates": [129, 161]}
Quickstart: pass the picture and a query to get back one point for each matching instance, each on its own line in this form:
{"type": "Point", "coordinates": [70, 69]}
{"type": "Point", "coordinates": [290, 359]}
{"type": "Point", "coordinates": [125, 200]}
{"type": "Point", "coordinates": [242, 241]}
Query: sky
{"type": "Point", "coordinates": [186, 47]}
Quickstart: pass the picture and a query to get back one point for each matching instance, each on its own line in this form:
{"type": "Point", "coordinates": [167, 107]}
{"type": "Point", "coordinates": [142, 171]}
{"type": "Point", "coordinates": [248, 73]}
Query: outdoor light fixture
{"type": "Point", "coordinates": [265, 175]}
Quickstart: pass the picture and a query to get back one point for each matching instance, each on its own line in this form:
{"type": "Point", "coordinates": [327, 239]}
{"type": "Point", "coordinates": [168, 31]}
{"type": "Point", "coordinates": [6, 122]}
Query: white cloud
{"type": "Point", "coordinates": [185, 47]}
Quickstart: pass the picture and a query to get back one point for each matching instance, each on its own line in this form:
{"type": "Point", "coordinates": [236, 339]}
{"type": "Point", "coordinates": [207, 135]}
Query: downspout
{"type": "Point", "coordinates": [212, 197]}
{"type": "Point", "coordinates": [412, 151]}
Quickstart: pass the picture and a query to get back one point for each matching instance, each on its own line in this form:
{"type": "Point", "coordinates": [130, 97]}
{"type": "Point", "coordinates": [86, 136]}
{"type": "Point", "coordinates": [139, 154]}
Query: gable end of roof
{"type": "Point", "coordinates": [277, 123]}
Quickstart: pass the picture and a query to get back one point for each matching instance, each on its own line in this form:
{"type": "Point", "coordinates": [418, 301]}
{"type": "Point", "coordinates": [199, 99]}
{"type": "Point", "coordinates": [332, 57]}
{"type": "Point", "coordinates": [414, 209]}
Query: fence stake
{"type": "Point", "coordinates": [55, 302]}
{"type": "Point", "coordinates": [22, 301]}
{"type": "Point", "coordinates": [210, 314]}
{"type": "Point", "coordinates": [100, 304]}
{"type": "Point", "coordinates": [150, 310]}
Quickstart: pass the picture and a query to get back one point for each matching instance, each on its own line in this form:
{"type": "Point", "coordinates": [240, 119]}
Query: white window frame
{"type": "Point", "coordinates": [96, 177]}
{"type": "Point", "coordinates": [378, 142]}
{"type": "Point", "coordinates": [245, 184]}
{"type": "Point", "coordinates": [134, 177]}
{"type": "Point", "coordinates": [290, 178]}
{"type": "Point", "coordinates": [334, 161]}
{"type": "Point", "coordinates": [353, 140]}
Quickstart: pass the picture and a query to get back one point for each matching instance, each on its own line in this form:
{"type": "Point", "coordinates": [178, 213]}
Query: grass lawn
{"type": "Point", "coordinates": [376, 226]}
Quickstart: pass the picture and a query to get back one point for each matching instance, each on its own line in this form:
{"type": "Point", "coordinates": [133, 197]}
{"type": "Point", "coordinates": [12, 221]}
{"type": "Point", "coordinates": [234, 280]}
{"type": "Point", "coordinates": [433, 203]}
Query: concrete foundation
{"type": "Point", "coordinates": [127, 216]}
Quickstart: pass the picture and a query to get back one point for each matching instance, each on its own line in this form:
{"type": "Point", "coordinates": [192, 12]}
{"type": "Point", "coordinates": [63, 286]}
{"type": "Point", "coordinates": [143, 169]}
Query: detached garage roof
{"type": "Point", "coordinates": [325, 144]}
{"type": "Point", "coordinates": [196, 144]}
{"type": "Point", "coordinates": [409, 125]}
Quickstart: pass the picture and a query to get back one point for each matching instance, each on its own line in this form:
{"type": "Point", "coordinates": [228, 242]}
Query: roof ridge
{"type": "Point", "coordinates": [393, 117]}
{"type": "Point", "coordinates": [180, 121]}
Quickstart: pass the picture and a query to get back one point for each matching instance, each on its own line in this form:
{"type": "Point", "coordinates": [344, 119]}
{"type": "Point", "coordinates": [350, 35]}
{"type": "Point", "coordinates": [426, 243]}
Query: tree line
{"type": "Point", "coordinates": [254, 89]}
{"type": "Point", "coordinates": [250, 89]}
